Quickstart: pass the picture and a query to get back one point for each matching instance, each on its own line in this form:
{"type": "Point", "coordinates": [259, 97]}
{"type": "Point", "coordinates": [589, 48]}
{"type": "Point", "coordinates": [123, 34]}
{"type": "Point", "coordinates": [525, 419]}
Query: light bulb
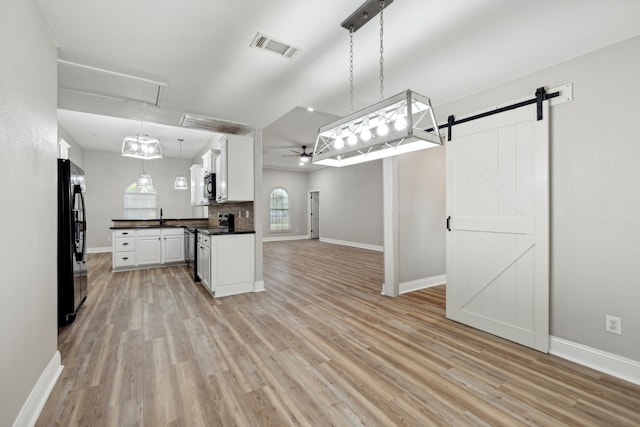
{"type": "Point", "coordinates": [352, 139]}
{"type": "Point", "coordinates": [338, 143]}
{"type": "Point", "coordinates": [382, 128]}
{"type": "Point", "coordinates": [401, 121]}
{"type": "Point", "coordinates": [366, 132]}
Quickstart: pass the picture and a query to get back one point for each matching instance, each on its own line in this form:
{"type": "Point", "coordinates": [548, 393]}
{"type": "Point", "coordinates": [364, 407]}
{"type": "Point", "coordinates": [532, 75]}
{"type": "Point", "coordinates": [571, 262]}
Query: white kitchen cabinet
{"type": "Point", "coordinates": [232, 265]}
{"type": "Point", "coordinates": [207, 163]}
{"type": "Point", "coordinates": [148, 247]}
{"type": "Point", "coordinates": [124, 248]}
{"type": "Point", "coordinates": [204, 260]}
{"type": "Point", "coordinates": [234, 169]}
{"type": "Point", "coordinates": [197, 186]}
{"type": "Point", "coordinates": [172, 245]}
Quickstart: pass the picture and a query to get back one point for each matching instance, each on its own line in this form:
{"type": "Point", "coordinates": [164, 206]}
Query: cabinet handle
{"type": "Point", "coordinates": [125, 244]}
{"type": "Point", "coordinates": [125, 258]}
{"type": "Point", "coordinates": [124, 234]}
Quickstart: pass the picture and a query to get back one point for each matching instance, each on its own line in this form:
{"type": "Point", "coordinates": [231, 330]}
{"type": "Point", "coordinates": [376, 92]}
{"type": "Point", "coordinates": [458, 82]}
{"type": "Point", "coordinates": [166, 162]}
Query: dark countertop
{"type": "Point", "coordinates": [155, 223]}
{"type": "Point", "coordinates": [220, 231]}
{"type": "Point", "coordinates": [135, 227]}
{"type": "Point", "coordinates": [156, 220]}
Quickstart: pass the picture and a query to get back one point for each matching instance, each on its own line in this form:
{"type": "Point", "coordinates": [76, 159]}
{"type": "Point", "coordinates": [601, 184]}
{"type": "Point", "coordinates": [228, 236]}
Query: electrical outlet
{"type": "Point", "coordinates": [612, 324]}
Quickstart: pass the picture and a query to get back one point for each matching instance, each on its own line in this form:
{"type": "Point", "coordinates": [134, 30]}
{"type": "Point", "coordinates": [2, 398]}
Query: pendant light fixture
{"type": "Point", "coordinates": [141, 146]}
{"type": "Point", "coordinates": [400, 124]}
{"type": "Point", "coordinates": [144, 184]}
{"type": "Point", "coordinates": [181, 181]}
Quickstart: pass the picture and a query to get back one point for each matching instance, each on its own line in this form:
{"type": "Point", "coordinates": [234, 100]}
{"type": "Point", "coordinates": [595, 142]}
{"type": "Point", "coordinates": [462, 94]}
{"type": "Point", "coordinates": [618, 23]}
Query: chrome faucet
{"type": "Point", "coordinates": [162, 220]}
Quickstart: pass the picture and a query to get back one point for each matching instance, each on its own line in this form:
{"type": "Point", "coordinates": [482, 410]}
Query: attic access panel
{"type": "Point", "coordinates": [109, 84]}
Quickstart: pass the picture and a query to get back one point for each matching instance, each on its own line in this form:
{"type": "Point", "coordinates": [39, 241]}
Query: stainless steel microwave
{"type": "Point", "coordinates": [210, 187]}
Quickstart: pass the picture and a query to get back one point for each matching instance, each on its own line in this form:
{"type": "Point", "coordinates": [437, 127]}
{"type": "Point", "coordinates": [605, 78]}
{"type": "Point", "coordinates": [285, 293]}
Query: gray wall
{"type": "Point", "coordinates": [108, 174]}
{"type": "Point", "coordinates": [28, 206]}
{"type": "Point", "coordinates": [350, 202]}
{"type": "Point", "coordinates": [595, 206]}
{"type": "Point", "coordinates": [421, 213]}
{"type": "Point", "coordinates": [296, 184]}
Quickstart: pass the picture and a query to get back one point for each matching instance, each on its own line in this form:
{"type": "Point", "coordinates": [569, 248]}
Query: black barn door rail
{"type": "Point", "coordinates": [541, 95]}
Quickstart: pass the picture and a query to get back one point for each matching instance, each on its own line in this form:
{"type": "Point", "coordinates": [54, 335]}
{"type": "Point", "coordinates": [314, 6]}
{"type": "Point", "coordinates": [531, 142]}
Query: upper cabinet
{"type": "Point", "coordinates": [234, 169]}
{"type": "Point", "coordinates": [197, 187]}
{"type": "Point", "coordinates": [207, 163]}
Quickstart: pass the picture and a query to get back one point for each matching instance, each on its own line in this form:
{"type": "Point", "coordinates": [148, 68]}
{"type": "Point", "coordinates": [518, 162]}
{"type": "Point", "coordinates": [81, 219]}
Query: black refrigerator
{"type": "Point", "coordinates": [72, 237]}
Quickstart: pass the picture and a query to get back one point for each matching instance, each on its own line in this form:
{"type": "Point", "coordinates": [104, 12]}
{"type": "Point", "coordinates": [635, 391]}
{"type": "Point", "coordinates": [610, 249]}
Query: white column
{"type": "Point", "coordinates": [391, 286]}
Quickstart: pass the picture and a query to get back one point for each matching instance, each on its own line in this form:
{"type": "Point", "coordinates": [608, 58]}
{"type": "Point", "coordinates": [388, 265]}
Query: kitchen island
{"type": "Point", "coordinates": [226, 261]}
{"type": "Point", "coordinates": [225, 257]}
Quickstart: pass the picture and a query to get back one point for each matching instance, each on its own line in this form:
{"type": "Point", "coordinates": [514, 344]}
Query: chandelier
{"type": "Point", "coordinates": [400, 124]}
{"type": "Point", "coordinates": [141, 147]}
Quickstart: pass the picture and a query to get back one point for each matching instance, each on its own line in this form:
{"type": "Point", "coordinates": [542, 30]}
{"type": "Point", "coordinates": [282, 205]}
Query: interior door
{"type": "Point", "coordinates": [498, 221]}
{"type": "Point", "coordinates": [315, 214]}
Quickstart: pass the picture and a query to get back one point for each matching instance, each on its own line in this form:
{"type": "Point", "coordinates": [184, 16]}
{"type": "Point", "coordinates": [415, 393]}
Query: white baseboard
{"type": "Point", "coordinates": [353, 244]}
{"type": "Point", "coordinates": [99, 250]}
{"type": "Point", "coordinates": [609, 363]}
{"type": "Point", "coordinates": [282, 238]}
{"type": "Point", "coordinates": [258, 286]}
{"type": "Point", "coordinates": [424, 283]}
{"type": "Point", "coordinates": [37, 398]}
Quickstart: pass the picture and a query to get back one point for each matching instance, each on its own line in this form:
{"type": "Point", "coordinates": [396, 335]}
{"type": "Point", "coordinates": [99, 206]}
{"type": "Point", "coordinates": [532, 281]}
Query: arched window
{"type": "Point", "coordinates": [279, 209]}
{"type": "Point", "coordinates": [140, 203]}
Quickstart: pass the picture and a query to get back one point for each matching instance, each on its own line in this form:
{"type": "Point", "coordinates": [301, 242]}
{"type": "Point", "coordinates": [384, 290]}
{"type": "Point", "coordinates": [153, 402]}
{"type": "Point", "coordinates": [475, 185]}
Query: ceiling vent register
{"type": "Point", "coordinates": [211, 124]}
{"type": "Point", "coordinates": [269, 44]}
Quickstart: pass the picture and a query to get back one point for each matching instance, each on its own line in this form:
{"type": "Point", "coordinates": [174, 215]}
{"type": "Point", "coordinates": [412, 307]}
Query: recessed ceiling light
{"type": "Point", "coordinates": [310, 109]}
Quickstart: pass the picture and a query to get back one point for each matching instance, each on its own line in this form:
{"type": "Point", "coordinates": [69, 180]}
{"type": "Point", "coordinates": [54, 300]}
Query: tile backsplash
{"type": "Point", "coordinates": [238, 209]}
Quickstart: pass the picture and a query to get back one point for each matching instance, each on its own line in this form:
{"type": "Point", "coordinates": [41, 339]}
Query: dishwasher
{"type": "Point", "coordinates": [190, 245]}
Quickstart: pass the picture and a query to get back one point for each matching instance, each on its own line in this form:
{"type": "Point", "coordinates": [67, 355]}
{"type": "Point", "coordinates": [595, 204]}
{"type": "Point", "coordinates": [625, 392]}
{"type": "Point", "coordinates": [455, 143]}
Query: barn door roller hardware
{"type": "Point", "coordinates": [561, 94]}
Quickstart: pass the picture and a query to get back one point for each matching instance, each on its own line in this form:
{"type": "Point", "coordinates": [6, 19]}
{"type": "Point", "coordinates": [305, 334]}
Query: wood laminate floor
{"type": "Point", "coordinates": [320, 347]}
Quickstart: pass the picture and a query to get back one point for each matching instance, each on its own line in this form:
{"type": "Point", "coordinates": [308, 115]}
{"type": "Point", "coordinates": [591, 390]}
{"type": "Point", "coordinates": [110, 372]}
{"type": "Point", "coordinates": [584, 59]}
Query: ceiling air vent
{"type": "Point", "coordinates": [195, 121]}
{"type": "Point", "coordinates": [264, 42]}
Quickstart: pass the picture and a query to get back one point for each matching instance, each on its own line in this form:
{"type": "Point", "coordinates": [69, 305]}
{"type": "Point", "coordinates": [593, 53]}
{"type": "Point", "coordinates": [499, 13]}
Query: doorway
{"type": "Point", "coordinates": [314, 215]}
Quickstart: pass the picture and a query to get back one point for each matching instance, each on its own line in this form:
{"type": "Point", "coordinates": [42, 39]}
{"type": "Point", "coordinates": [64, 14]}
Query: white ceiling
{"type": "Point", "coordinates": [444, 49]}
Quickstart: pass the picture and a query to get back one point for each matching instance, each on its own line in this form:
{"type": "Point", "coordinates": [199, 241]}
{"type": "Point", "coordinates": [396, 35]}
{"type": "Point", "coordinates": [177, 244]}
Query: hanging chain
{"type": "Point", "coordinates": [381, 51]}
{"type": "Point", "coordinates": [351, 67]}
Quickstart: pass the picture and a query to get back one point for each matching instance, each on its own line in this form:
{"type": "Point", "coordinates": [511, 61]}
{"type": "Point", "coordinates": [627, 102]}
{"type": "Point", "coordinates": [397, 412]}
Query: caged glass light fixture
{"type": "Point", "coordinates": [144, 184]}
{"type": "Point", "coordinates": [400, 124]}
{"type": "Point", "coordinates": [141, 146]}
{"type": "Point", "coordinates": [181, 181]}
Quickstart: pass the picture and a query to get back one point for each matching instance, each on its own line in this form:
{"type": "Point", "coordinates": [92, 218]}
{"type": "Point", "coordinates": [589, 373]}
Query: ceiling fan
{"type": "Point", "coordinates": [304, 156]}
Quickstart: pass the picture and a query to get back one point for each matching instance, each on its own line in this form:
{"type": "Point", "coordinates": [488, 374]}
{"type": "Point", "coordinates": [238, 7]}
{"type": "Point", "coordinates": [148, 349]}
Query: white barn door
{"type": "Point", "coordinates": [498, 216]}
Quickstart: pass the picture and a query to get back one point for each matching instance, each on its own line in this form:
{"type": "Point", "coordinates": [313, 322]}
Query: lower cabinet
{"type": "Point", "coordinates": [172, 246]}
{"type": "Point", "coordinates": [204, 260]}
{"type": "Point", "coordinates": [147, 248]}
{"type": "Point", "coordinates": [232, 264]}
